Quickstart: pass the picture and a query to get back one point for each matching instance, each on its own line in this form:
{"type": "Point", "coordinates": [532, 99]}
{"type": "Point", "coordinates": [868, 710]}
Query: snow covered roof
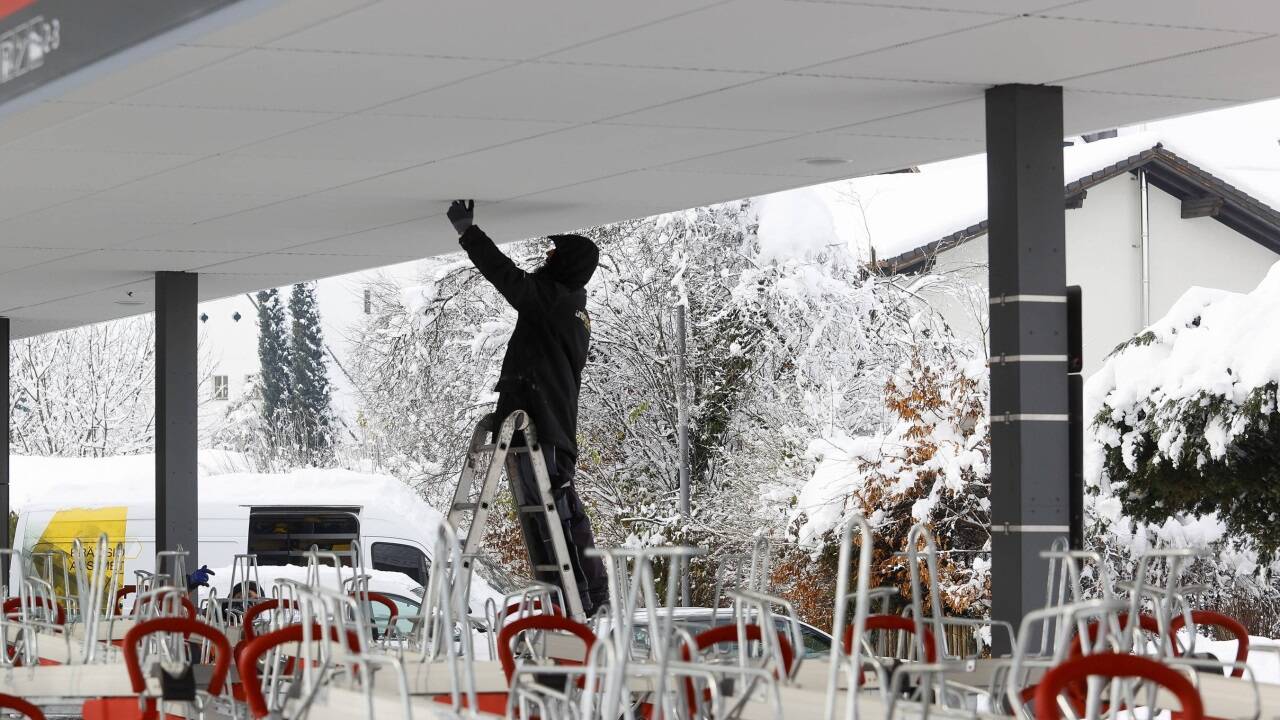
{"type": "Point", "coordinates": [55, 482]}
{"type": "Point", "coordinates": [908, 218]}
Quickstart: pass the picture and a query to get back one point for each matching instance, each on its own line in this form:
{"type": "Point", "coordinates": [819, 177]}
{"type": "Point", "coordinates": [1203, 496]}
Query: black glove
{"type": "Point", "coordinates": [462, 214]}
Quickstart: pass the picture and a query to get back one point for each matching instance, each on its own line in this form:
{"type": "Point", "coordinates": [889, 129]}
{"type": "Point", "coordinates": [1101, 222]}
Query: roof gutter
{"type": "Point", "coordinates": [1144, 212]}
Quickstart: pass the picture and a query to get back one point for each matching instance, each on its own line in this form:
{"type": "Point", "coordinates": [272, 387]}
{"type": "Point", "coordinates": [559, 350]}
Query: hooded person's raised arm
{"type": "Point", "coordinates": [520, 289]}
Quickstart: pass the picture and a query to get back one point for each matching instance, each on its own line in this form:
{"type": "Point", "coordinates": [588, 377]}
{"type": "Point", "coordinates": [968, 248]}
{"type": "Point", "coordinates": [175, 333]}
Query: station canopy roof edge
{"type": "Point", "coordinates": [264, 142]}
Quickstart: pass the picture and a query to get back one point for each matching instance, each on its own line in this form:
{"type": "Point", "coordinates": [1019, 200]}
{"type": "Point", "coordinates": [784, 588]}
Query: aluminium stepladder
{"type": "Point", "coordinates": [540, 521]}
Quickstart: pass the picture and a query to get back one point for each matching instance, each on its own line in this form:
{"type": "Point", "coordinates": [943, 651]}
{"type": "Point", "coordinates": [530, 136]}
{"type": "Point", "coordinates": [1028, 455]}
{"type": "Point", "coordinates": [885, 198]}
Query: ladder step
{"type": "Point", "coordinates": [490, 447]}
{"type": "Point", "coordinates": [483, 466]}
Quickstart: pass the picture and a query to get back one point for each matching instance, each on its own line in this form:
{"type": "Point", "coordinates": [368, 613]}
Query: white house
{"type": "Point", "coordinates": [229, 337]}
{"type": "Point", "coordinates": [1144, 223]}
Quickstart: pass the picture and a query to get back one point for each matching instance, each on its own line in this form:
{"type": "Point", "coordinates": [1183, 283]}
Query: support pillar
{"type": "Point", "coordinates": [176, 414]}
{"type": "Point", "coordinates": [1030, 432]}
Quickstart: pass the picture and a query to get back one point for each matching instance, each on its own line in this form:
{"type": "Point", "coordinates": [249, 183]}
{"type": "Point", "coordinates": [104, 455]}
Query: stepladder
{"type": "Point", "coordinates": [496, 450]}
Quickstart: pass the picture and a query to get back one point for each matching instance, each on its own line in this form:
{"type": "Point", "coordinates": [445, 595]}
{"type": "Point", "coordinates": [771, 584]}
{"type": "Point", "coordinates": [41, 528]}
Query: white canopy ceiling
{"type": "Point", "coordinates": [289, 140]}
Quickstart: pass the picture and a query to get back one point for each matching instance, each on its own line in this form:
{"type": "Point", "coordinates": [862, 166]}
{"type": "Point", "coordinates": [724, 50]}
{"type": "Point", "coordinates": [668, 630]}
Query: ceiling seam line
{"type": "Point", "coordinates": [1175, 56]}
{"type": "Point", "coordinates": [1131, 23]}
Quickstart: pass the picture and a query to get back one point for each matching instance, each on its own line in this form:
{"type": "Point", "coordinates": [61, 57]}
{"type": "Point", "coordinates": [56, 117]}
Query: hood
{"type": "Point", "coordinates": [574, 262]}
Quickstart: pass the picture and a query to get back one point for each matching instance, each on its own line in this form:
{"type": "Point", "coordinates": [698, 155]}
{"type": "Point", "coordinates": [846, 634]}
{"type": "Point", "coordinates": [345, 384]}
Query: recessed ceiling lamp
{"type": "Point", "coordinates": [129, 299]}
{"type": "Point", "coordinates": [823, 161]}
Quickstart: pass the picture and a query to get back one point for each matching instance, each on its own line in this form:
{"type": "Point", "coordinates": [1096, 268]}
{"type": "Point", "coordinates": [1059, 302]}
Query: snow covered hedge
{"type": "Point", "coordinates": [1186, 422]}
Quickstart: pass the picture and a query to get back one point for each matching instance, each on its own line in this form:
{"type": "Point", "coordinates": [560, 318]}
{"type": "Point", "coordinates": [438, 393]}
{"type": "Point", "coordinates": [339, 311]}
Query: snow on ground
{"type": "Point", "coordinates": [1263, 660]}
{"type": "Point", "coordinates": [379, 580]}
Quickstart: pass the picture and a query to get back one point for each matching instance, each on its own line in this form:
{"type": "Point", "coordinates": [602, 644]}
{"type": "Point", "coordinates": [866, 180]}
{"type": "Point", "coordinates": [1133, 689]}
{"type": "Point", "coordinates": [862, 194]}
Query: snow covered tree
{"type": "Point", "coordinates": [243, 428]}
{"type": "Point", "coordinates": [931, 465]}
{"type": "Point", "coordinates": [788, 339]}
{"type": "Point", "coordinates": [88, 391]}
{"type": "Point", "coordinates": [424, 365]}
{"type": "Point", "coordinates": [310, 415]}
{"type": "Point", "coordinates": [273, 360]}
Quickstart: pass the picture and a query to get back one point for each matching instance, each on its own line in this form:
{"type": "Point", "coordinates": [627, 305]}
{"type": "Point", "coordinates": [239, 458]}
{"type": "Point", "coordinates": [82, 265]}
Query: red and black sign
{"type": "Point", "coordinates": [43, 40]}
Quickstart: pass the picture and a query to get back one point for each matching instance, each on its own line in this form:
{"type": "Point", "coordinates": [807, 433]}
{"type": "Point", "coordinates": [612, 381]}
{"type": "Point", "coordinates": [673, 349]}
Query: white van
{"type": "Point", "coordinates": [277, 517]}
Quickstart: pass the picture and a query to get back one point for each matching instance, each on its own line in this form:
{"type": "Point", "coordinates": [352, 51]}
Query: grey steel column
{"type": "Point", "coordinates": [4, 449]}
{"type": "Point", "coordinates": [1030, 438]}
{"type": "Point", "coordinates": [176, 414]}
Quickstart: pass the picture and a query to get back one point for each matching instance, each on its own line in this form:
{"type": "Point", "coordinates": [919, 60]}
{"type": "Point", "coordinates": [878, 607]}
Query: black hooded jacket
{"type": "Point", "coordinates": [542, 370]}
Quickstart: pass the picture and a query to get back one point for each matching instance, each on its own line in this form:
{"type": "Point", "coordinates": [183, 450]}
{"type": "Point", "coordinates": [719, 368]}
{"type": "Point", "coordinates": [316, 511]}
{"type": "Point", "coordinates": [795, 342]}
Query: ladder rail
{"type": "Point", "coordinates": [466, 478]}
{"type": "Point", "coordinates": [554, 526]}
{"type": "Point", "coordinates": [534, 513]}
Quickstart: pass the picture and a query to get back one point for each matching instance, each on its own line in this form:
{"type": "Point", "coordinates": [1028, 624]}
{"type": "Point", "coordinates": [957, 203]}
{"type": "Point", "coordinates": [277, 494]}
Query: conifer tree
{"type": "Point", "coordinates": [273, 357]}
{"type": "Point", "coordinates": [310, 400]}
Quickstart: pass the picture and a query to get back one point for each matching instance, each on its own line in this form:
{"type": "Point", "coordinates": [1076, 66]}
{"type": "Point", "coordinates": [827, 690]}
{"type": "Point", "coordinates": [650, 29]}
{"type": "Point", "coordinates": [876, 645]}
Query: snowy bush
{"type": "Point", "coordinates": [1185, 417]}
{"type": "Point", "coordinates": [930, 465]}
{"type": "Point", "coordinates": [1184, 448]}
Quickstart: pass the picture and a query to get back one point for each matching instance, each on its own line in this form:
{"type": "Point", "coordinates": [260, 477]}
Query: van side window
{"type": "Point", "coordinates": [394, 557]}
{"type": "Point", "coordinates": [283, 536]}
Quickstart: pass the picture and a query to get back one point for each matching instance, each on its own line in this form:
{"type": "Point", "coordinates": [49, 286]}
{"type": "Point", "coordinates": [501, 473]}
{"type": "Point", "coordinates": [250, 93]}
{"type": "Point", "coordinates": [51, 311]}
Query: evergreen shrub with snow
{"type": "Point", "coordinates": [1186, 418]}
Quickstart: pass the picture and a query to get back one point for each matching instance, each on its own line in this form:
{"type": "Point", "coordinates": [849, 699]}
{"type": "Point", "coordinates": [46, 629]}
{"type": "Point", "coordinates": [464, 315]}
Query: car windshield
{"type": "Point", "coordinates": [405, 609]}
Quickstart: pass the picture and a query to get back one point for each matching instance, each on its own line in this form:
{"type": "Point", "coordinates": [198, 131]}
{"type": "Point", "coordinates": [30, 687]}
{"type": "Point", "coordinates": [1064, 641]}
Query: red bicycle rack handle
{"type": "Point", "coordinates": [247, 662]}
{"type": "Point", "coordinates": [123, 593]}
{"type": "Point", "coordinates": [386, 602]}
{"type": "Point", "coordinates": [1114, 665]}
{"type": "Point", "coordinates": [895, 622]}
{"type": "Point", "coordinates": [538, 622]}
{"type": "Point", "coordinates": [188, 627]}
{"type": "Point", "coordinates": [534, 606]}
{"type": "Point", "coordinates": [9, 702]}
{"type": "Point", "coordinates": [1209, 617]}
{"type": "Point", "coordinates": [259, 608]}
{"type": "Point", "coordinates": [729, 633]}
{"type": "Point", "coordinates": [13, 606]}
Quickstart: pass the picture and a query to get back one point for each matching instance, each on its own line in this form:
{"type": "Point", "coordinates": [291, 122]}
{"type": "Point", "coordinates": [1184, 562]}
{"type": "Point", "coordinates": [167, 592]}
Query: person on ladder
{"type": "Point", "coordinates": [542, 370]}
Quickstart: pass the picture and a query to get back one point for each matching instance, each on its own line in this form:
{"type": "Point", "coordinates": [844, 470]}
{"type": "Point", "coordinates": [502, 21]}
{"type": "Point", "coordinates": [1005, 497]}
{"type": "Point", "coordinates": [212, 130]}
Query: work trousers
{"type": "Point", "coordinates": [593, 587]}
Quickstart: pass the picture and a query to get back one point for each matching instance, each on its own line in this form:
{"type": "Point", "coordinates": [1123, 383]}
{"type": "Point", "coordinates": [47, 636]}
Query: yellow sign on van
{"type": "Point", "coordinates": [85, 525]}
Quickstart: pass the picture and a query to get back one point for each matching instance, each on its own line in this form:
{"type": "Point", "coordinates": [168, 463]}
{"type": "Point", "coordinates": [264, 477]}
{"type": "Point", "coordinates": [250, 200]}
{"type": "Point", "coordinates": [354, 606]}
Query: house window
{"type": "Point", "coordinates": [221, 388]}
{"type": "Point", "coordinates": [368, 302]}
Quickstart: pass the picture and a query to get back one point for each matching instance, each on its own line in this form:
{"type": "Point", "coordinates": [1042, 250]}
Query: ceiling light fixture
{"type": "Point", "coordinates": [129, 299]}
{"type": "Point", "coordinates": [823, 161]}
